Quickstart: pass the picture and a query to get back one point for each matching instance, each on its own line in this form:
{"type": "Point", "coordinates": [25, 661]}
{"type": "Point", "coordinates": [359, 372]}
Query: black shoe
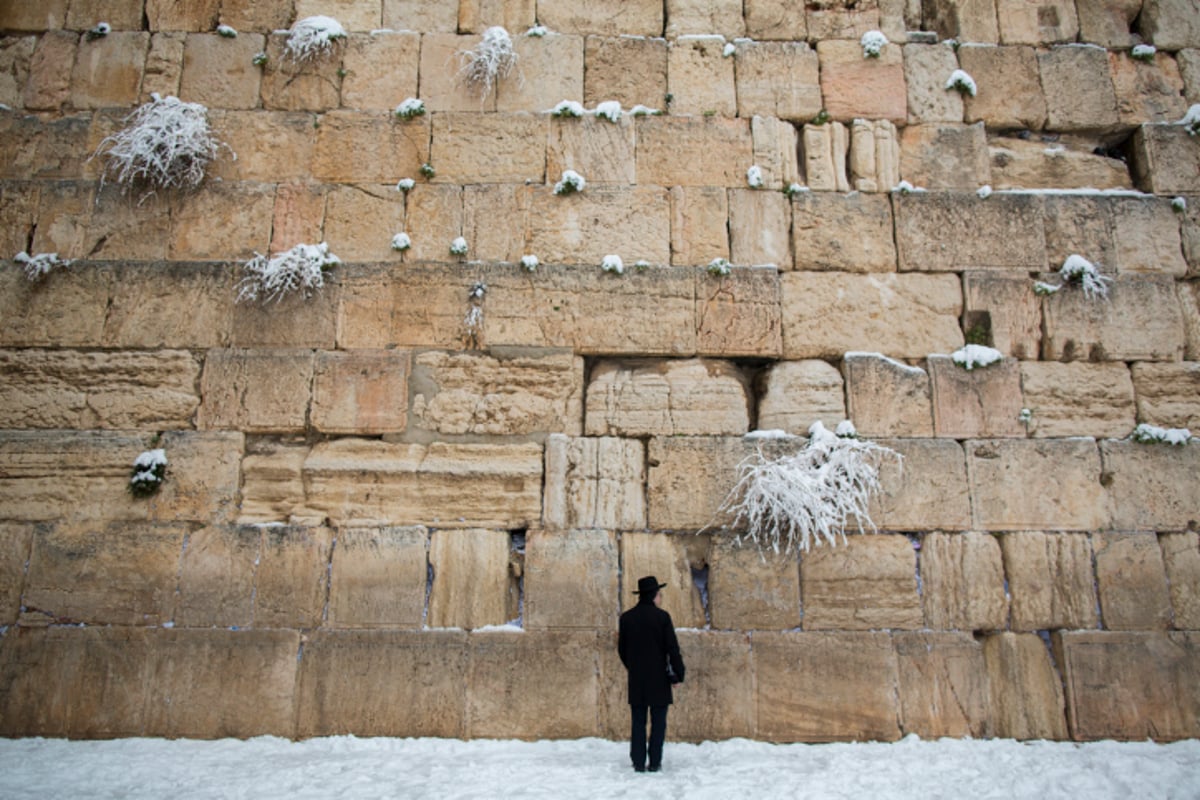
{"type": "Point", "coordinates": [655, 767]}
{"type": "Point", "coordinates": [636, 768]}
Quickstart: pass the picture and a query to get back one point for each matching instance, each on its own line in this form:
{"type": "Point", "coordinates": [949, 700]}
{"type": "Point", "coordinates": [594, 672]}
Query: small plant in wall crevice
{"type": "Point", "coordinates": [487, 62]}
{"type": "Point", "coordinates": [39, 266]}
{"type": "Point", "coordinates": [149, 471]}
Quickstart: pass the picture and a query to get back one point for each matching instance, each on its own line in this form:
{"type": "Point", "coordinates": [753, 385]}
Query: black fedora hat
{"type": "Point", "coordinates": [648, 585]}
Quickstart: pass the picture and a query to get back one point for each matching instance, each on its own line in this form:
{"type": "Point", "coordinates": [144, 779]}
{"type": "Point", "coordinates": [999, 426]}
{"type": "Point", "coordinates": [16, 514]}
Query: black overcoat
{"type": "Point", "coordinates": [645, 640]}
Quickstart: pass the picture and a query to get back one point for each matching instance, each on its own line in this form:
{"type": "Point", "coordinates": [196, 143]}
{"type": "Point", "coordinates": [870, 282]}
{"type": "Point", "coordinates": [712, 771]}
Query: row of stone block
{"type": "Point", "coordinates": [109, 682]}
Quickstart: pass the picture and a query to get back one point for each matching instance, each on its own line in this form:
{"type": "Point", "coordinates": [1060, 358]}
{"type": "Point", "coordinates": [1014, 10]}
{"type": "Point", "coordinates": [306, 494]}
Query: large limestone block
{"type": "Point", "coordinates": [360, 391]}
{"type": "Point", "coordinates": [171, 15]}
{"type": "Point", "coordinates": [571, 580]}
{"type": "Point", "coordinates": [629, 69]}
{"type": "Point", "coordinates": [216, 577]}
{"type": "Point", "coordinates": [488, 148]}
{"type": "Point", "coordinates": [594, 483]}
{"type": "Point", "coordinates": [926, 70]}
{"type": "Point", "coordinates": [697, 16]}
{"type": "Point", "coordinates": [1078, 399]}
{"type": "Point", "coordinates": [220, 71]}
{"type": "Point", "coordinates": [421, 15]}
{"type": "Point", "coordinates": [945, 157]}
{"type": "Point", "coordinates": [443, 88]}
{"type": "Point", "coordinates": [36, 18]}
{"type": "Point", "coordinates": [798, 393]}
{"type": "Point", "coordinates": [778, 79]}
{"type": "Point", "coordinates": [885, 397]}
{"type": "Point", "coordinates": [477, 394]}
{"type": "Point", "coordinates": [700, 77]}
{"type": "Point", "coordinates": [699, 229]}
{"type": "Point", "coordinates": [1181, 557]}
{"type": "Point", "coordinates": [48, 84]}
{"type": "Point", "coordinates": [694, 397]}
{"type": "Point", "coordinates": [845, 232]}
{"type": "Point", "coordinates": [824, 149]}
{"type": "Point", "coordinates": [291, 580]}
{"type": "Point", "coordinates": [64, 216]}
{"type": "Point", "coordinates": [940, 231]}
{"type": "Point", "coordinates": [381, 69]}
{"type": "Point", "coordinates": [79, 389]}
{"type": "Point", "coordinates": [926, 488]}
{"type": "Point", "coordinates": [775, 151]}
{"type": "Point", "coordinates": [210, 684]}
{"type": "Point", "coordinates": [482, 205]}
{"type": "Point", "coordinates": [448, 485]}
{"type": "Point", "coordinates": [504, 703]}
{"type": "Point", "coordinates": [1033, 164]}
{"type": "Point", "coordinates": [982, 402]}
{"type": "Point", "coordinates": [1151, 487]}
{"type": "Point", "coordinates": [962, 582]}
{"type": "Point", "coordinates": [598, 149]}
{"type": "Point", "coordinates": [1147, 91]}
{"type": "Point", "coordinates": [774, 19]}
{"type": "Point", "coordinates": [294, 321]}
{"type": "Point", "coordinates": [383, 683]}
{"type": "Point", "coordinates": [827, 314]}
{"type": "Point", "coordinates": [18, 213]}
{"type": "Point", "coordinates": [751, 589]}
{"type": "Point", "coordinates": [355, 15]}
{"type": "Point", "coordinates": [271, 146]}
{"type": "Point", "coordinates": [385, 148]}
{"type": "Point", "coordinates": [1165, 160]}
{"type": "Point", "coordinates": [1009, 308]}
{"type": "Point", "coordinates": [1189, 301]}
{"type": "Point", "coordinates": [854, 86]}
{"type": "Point", "coordinates": [1169, 24]}
{"type": "Point", "coordinates": [1168, 395]}
{"type": "Point", "coordinates": [16, 539]}
{"type": "Point", "coordinates": [1026, 689]}
{"type": "Point", "coordinates": [549, 69]}
{"type": "Point", "coordinates": [583, 228]}
{"type": "Point", "coordinates": [56, 149]}
{"type": "Point", "coordinates": [252, 15]}
{"type": "Point", "coordinates": [433, 218]}
{"type": "Point", "coordinates": [470, 578]}
{"type": "Point", "coordinates": [258, 391]}
{"type": "Point", "coordinates": [738, 314]}
{"type": "Point", "coordinates": [103, 574]}
{"type": "Point", "coordinates": [1132, 582]}
{"type": "Point", "coordinates": [291, 85]}
{"type": "Point", "coordinates": [1046, 484]}
{"type": "Point", "coordinates": [222, 221]}
{"type": "Point", "coordinates": [689, 477]}
{"type": "Point", "coordinates": [1140, 320]}
{"type": "Point", "coordinates": [875, 161]}
{"type": "Point", "coordinates": [845, 21]}
{"type": "Point", "coordinates": [115, 226]}
{"type": "Point", "coordinates": [1035, 22]}
{"type": "Point", "coordinates": [378, 578]}
{"type": "Point", "coordinates": [477, 16]}
{"type": "Point", "coordinates": [1008, 86]}
{"type": "Point", "coordinates": [814, 687]}
{"type": "Point", "coordinates": [1146, 236]}
{"type": "Point", "coordinates": [635, 18]}
{"type": "Point", "coordinates": [717, 699]}
{"type": "Point", "coordinates": [84, 475]}
{"type": "Point", "coordinates": [1079, 91]}
{"type": "Point", "coordinates": [760, 227]}
{"type": "Point", "coordinates": [865, 583]}
{"type": "Point", "coordinates": [164, 65]}
{"type": "Point", "coordinates": [1130, 686]}
{"type": "Point", "coordinates": [1107, 23]}
{"type": "Point", "coordinates": [108, 70]}
{"type": "Point", "coordinates": [665, 557]}
{"type": "Point", "coordinates": [1050, 580]}
{"type": "Point", "coordinates": [693, 151]}
{"type": "Point", "coordinates": [943, 685]}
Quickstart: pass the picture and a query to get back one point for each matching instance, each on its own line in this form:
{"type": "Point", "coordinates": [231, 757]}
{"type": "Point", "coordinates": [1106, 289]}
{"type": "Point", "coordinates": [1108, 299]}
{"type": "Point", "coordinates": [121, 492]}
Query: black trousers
{"type": "Point", "coordinates": [637, 734]}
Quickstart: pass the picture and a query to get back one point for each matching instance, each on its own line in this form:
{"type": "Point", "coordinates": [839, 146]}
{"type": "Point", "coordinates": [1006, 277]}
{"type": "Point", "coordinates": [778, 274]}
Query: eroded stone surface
{"type": "Point", "coordinates": [665, 557]}
{"type": "Point", "coordinates": [378, 578]}
{"type": "Point", "coordinates": [943, 685]}
{"type": "Point", "coordinates": [571, 580]}
{"type": "Point", "coordinates": [1036, 484]}
{"type": "Point", "coordinates": [1026, 691]}
{"type": "Point", "coordinates": [980, 402]}
{"type": "Point", "coordinates": [594, 483]}
{"type": "Point", "coordinates": [885, 397]}
{"type": "Point", "coordinates": [470, 578]}
{"type": "Point", "coordinates": [1078, 399]}
{"type": "Point", "coordinates": [865, 583]}
{"type": "Point", "coordinates": [1132, 582]}
{"type": "Point", "coordinates": [667, 398]}
{"type": "Point", "coordinates": [1050, 579]}
{"type": "Point", "coordinates": [752, 589]}
{"type": "Point", "coordinates": [798, 393]}
{"type": "Point", "coordinates": [962, 582]}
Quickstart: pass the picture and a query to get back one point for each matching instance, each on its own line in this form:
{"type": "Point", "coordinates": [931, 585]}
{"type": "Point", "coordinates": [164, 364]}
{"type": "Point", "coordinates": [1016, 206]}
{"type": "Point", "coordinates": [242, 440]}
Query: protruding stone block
{"type": "Point", "coordinates": [594, 483]}
{"type": "Point", "coordinates": [700, 77]}
{"type": "Point", "coordinates": [925, 490]}
{"type": "Point", "coordinates": [798, 393]}
{"type": "Point", "coordinates": [470, 578]}
{"type": "Point", "coordinates": [1050, 579]}
{"type": "Point", "coordinates": [962, 582]}
{"type": "Point", "coordinates": [1026, 691]}
{"type": "Point", "coordinates": [926, 70]}
{"type": "Point", "coordinates": [738, 314]}
{"type": "Point", "coordinates": [875, 161]}
{"type": "Point", "coordinates": [1168, 394]}
{"type": "Point", "coordinates": [291, 580]}
{"type": "Point", "coordinates": [1151, 486]}
{"type": "Point", "coordinates": [256, 391]}
{"type": "Point", "coordinates": [750, 588]}
{"type": "Point", "coordinates": [981, 402]}
{"type": "Point", "coordinates": [945, 156]}
{"type": "Point", "coordinates": [1008, 88]}
{"type": "Point", "coordinates": [1181, 557]}
{"type": "Point", "coordinates": [854, 86]}
{"type": "Point", "coordinates": [1033, 164]}
{"type": "Point", "coordinates": [571, 580]}
{"type": "Point", "coordinates": [1132, 582]}
{"type": "Point", "coordinates": [1106, 23]}
{"type": "Point", "coordinates": [864, 583]}
{"type": "Point", "coordinates": [1147, 91]}
{"type": "Point", "coordinates": [1008, 307]}
{"type": "Point", "coordinates": [717, 699]}
{"type": "Point", "coordinates": [629, 69]}
{"type": "Point", "coordinates": [667, 398]}
{"type": "Point", "coordinates": [378, 578]}
{"type": "Point", "coordinates": [272, 482]}
{"type": "Point", "coordinates": [849, 233]}
{"type": "Point", "coordinates": [1079, 92]}
{"type": "Point", "coordinates": [940, 231]}
{"type": "Point", "coordinates": [943, 685]}
{"type": "Point", "coordinates": [775, 151]}
{"type": "Point", "coordinates": [216, 577]}
{"type": "Point", "coordinates": [1164, 160]}
{"type": "Point", "coordinates": [1139, 321]}
{"type": "Point", "coordinates": [887, 398]}
{"type": "Point", "coordinates": [1036, 484]}
{"type": "Point", "coordinates": [825, 147]}
{"type": "Point", "coordinates": [778, 79]}
{"type": "Point", "coordinates": [1078, 399]}
{"type": "Point", "coordinates": [665, 557]}
{"type": "Point", "coordinates": [1169, 24]}
{"type": "Point", "coordinates": [1036, 22]}
{"type": "Point", "coordinates": [693, 151]}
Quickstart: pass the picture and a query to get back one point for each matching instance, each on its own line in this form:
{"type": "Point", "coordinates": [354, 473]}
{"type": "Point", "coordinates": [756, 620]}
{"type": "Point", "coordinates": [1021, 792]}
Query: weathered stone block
{"type": "Point", "coordinates": [219, 71]}
{"type": "Point", "coordinates": [1078, 399]}
{"type": "Point", "coordinates": [1189, 302]}
{"type": "Point", "coordinates": [383, 683]}
{"type": "Point", "coordinates": [222, 221]}
{"type": "Point", "coordinates": [1036, 484]}
{"type": "Point", "coordinates": [926, 70]}
{"type": "Point", "coordinates": [774, 19]}
{"type": "Point", "coordinates": [717, 699]}
{"type": "Point", "coordinates": [171, 15]}
{"type": "Point", "coordinates": [863, 583]}
{"type": "Point", "coordinates": [926, 490]}
{"type": "Point", "coordinates": [775, 151]}
{"type": "Point", "coordinates": [420, 15]}
{"type": "Point", "coordinates": [290, 322]}
{"type": "Point", "coordinates": [272, 483]}
{"type": "Point", "coordinates": [258, 391]}
{"type": "Point", "coordinates": [636, 18]}
{"type": "Point", "coordinates": [759, 227]}
{"type": "Point", "coordinates": [1151, 487]}
{"type": "Point", "coordinates": [74, 389]}
{"type": "Point", "coordinates": [442, 77]}
{"type": "Point", "coordinates": [582, 228]}
{"type": "Point", "coordinates": [778, 79]}
{"type": "Point", "coordinates": [887, 398]}
{"type": "Point", "coordinates": [1132, 581]}
{"type": "Point", "coordinates": [291, 580]}
{"type": "Point", "coordinates": [599, 150]}
{"type": "Point", "coordinates": [665, 557]}
{"type": "Point", "coordinates": [829, 314]}
{"type": "Point", "coordinates": [694, 16]}
{"type": "Point", "coordinates": [470, 578]}
{"type": "Point", "coordinates": [1147, 92]}
{"type": "Point", "coordinates": [1146, 236]}
{"type": "Point", "coordinates": [629, 69]}
{"type": "Point", "coordinates": [1036, 22]}
{"type": "Point", "coordinates": [40, 17]}
{"type": "Point", "coordinates": [378, 578]}
{"type": "Point", "coordinates": [825, 147]}
{"type": "Point", "coordinates": [251, 15]}
{"type": "Point", "coordinates": [355, 15]}
{"type": "Point", "coordinates": [164, 65]}
{"type": "Point", "coordinates": [513, 15]}
{"type": "Point", "coordinates": [842, 21]}
{"type": "Point", "coordinates": [1050, 580]}
{"type": "Point", "coordinates": [108, 70]}
{"type": "Point", "coordinates": [59, 149]}
{"type": "Point", "coordinates": [1167, 394]}
{"type": "Point", "coordinates": [689, 477]}
{"type": "Point", "coordinates": [216, 577]}
{"type": "Point", "coordinates": [1026, 690]}
{"type": "Point", "coordinates": [943, 685]}
{"type": "Point", "coordinates": [272, 147]}
{"type": "Point", "coordinates": [1181, 558]}
{"type": "Point", "coordinates": [667, 398]}
{"type": "Point", "coordinates": [1009, 90]}
{"type": "Point", "coordinates": [699, 229]}
{"type": "Point", "coordinates": [360, 391]}
{"type": "Point", "coordinates": [962, 582]}
{"type": "Point", "coordinates": [1032, 164]}
{"type": "Point", "coordinates": [594, 483]}
{"type": "Point", "coordinates": [853, 86]}
{"type": "Point", "coordinates": [849, 233]}
{"type": "Point", "coordinates": [1169, 24]}
{"type": "Point", "coordinates": [945, 156]}
{"type": "Point", "coordinates": [797, 393]}
{"type": "Point", "coordinates": [48, 85]}
{"type": "Point", "coordinates": [875, 161]}
{"type": "Point", "coordinates": [448, 485]}
{"type": "Point", "coordinates": [385, 147]}
{"type": "Point", "coordinates": [982, 402]}
{"type": "Point", "coordinates": [571, 580]}
{"type": "Point", "coordinates": [16, 539]}
{"type": "Point", "coordinates": [1107, 23]}
{"type": "Point", "coordinates": [549, 68]}
{"type": "Point", "coordinates": [14, 59]}
{"type": "Point", "coordinates": [939, 231]}
{"type": "Point", "coordinates": [1165, 160]}
{"type": "Point", "coordinates": [700, 77]}
{"type": "Point", "coordinates": [693, 151]}
{"type": "Point", "coordinates": [1079, 92]}
{"type": "Point", "coordinates": [381, 69]}
{"type": "Point", "coordinates": [18, 213]}
{"type": "Point", "coordinates": [738, 314]}
{"type": "Point", "coordinates": [1140, 321]}
{"type": "Point", "coordinates": [291, 85]}
{"type": "Point", "coordinates": [1130, 685]}
{"type": "Point", "coordinates": [488, 148]}
{"type": "Point", "coordinates": [482, 205]}
{"type": "Point", "coordinates": [433, 216]}
{"type": "Point", "coordinates": [750, 588]}
{"type": "Point", "coordinates": [1007, 306]}
{"type": "Point", "coordinates": [826, 686]}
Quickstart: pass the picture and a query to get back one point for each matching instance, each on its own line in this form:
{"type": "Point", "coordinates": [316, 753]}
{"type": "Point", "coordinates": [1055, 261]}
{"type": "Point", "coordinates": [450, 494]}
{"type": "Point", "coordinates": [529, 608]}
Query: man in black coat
{"type": "Point", "coordinates": [648, 649]}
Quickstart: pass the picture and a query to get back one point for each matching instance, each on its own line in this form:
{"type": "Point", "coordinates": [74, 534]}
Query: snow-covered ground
{"type": "Point", "coordinates": [347, 767]}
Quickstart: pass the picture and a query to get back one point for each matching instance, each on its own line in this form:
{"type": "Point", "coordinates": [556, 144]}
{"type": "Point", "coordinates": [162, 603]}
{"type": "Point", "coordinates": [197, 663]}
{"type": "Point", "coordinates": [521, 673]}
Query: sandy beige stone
{"type": "Point", "coordinates": [752, 589]}
{"type": "Point", "coordinates": [470, 578]}
{"type": "Point", "coordinates": [1188, 62]}
{"type": "Point", "coordinates": [875, 161]}
{"type": "Point", "coordinates": [36, 18]}
{"type": "Point", "coordinates": [360, 391]}
{"type": "Point", "coordinates": [386, 148]}
{"type": "Point", "coordinates": [693, 151]}
{"type": "Point", "coordinates": [1146, 236]}
{"type": "Point", "coordinates": [258, 391]}
{"type": "Point", "coordinates": [629, 69]}
{"type": "Point", "coordinates": [222, 222]}
{"type": "Point", "coordinates": [116, 227]}
{"type": "Point", "coordinates": [696, 17]}
{"type": "Point", "coordinates": [219, 71]}
{"type": "Point", "coordinates": [36, 148]}
{"type": "Point", "coordinates": [797, 393]}
{"type": "Point", "coordinates": [421, 15]}
{"type": "Point", "coordinates": [980, 402]}
{"type": "Point", "coordinates": [272, 482]}
{"type": "Point", "coordinates": [824, 149]}
{"type": "Point", "coordinates": [926, 489]}
{"type": "Point", "coordinates": [488, 148]}
{"type": "Point", "coordinates": [1078, 399]}
{"type": "Point", "coordinates": [216, 577]}
{"type": "Point", "coordinates": [1168, 395]}
{"type": "Point", "coordinates": [514, 15]}
{"type": "Point", "coordinates": [853, 86]}
{"type": "Point", "coordinates": [290, 322]}
{"type": "Point", "coordinates": [433, 216]}
{"type": "Point", "coordinates": [774, 19]}
{"type": "Point", "coordinates": [598, 149]}
{"type": "Point", "coordinates": [176, 16]}
{"type": "Point", "coordinates": [108, 70]}
{"type": "Point", "coordinates": [1031, 164]}
{"type": "Point", "coordinates": [383, 683]}
{"type": "Point", "coordinates": [18, 213]}
{"type": "Point", "coordinates": [291, 85]}
{"type": "Point", "coordinates": [1036, 484]}
{"type": "Point", "coordinates": [291, 579]}
{"type": "Point", "coordinates": [1147, 92]}
{"type": "Point", "coordinates": [549, 68]}
{"type": "Point", "coordinates": [354, 15]}
{"type": "Point", "coordinates": [1169, 25]}
{"type": "Point", "coordinates": [1026, 691]}
{"type": "Point", "coordinates": [585, 227]}
{"type": "Point", "coordinates": [699, 229]}
{"type": "Point", "coordinates": [442, 84]}
{"type": "Point", "coordinates": [665, 557]}
{"type": "Point", "coordinates": [378, 578]}
{"type": "Point", "coordinates": [700, 77]}
{"type": "Point", "coordinates": [939, 231]}
{"type": "Point", "coordinates": [483, 204]}
{"type": "Point", "coordinates": [844, 21]}
{"type": "Point", "coordinates": [1079, 91]}
{"type": "Point", "coordinates": [1008, 89]}
{"type": "Point", "coordinates": [826, 686]}
{"type": "Point", "coordinates": [381, 69]}
{"type": "Point", "coordinates": [689, 477]}
{"type": "Point", "coordinates": [1035, 22]}
{"type": "Point", "coordinates": [49, 82]}
{"type": "Point", "coordinates": [272, 146]}
{"type": "Point", "coordinates": [164, 65]}
{"type": "Point", "coordinates": [1050, 580]}
{"type": "Point", "coordinates": [1181, 558]}
{"type": "Point", "coordinates": [778, 79]}
{"type": "Point", "coordinates": [863, 583]}
{"type": "Point", "coordinates": [775, 151]}
{"type": "Point", "coordinates": [635, 18]}
{"type": "Point", "coordinates": [1151, 487]}
{"type": "Point", "coordinates": [1189, 302]}
{"type": "Point", "coordinates": [1106, 23]}
{"type": "Point", "coordinates": [717, 699]}
{"type": "Point", "coordinates": [1140, 321]}
{"type": "Point", "coordinates": [14, 60]}
{"type": "Point", "coordinates": [943, 685]}
{"type": "Point", "coordinates": [594, 483]}
{"type": "Point", "coordinates": [1131, 581]}
{"type": "Point", "coordinates": [571, 580]}
{"type": "Point", "coordinates": [926, 70]}
{"type": "Point", "coordinates": [962, 582]}
{"type": "Point", "coordinates": [885, 397]}
{"type": "Point", "coordinates": [298, 216]}
{"type": "Point", "coordinates": [945, 157]}
{"type": "Point", "coordinates": [667, 398]}
{"type": "Point", "coordinates": [1005, 304]}
{"type": "Point", "coordinates": [16, 539]}
{"type": "Point", "coordinates": [759, 227]}
{"type": "Point", "coordinates": [1162, 162]}
{"type": "Point", "coordinates": [247, 15]}
{"type": "Point", "coordinates": [850, 233]}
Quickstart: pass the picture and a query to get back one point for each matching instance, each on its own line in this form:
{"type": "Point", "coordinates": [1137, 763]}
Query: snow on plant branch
{"type": "Point", "coordinates": [301, 269]}
{"type": "Point", "coordinates": [812, 495]}
{"type": "Point", "coordinates": [1146, 433]}
{"type": "Point", "coordinates": [39, 266]}
{"type": "Point", "coordinates": [493, 58]}
{"type": "Point", "coordinates": [313, 37]}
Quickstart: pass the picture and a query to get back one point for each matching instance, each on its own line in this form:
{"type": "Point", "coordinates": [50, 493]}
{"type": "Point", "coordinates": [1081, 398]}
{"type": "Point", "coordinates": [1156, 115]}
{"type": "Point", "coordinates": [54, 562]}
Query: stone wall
{"type": "Point", "coordinates": [381, 519]}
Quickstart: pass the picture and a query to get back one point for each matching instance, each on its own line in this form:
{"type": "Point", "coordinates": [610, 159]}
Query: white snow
{"type": "Point", "coordinates": [976, 355]}
{"type": "Point", "coordinates": [729, 50]}
{"type": "Point", "coordinates": [754, 177]}
{"type": "Point", "coordinates": [401, 242]}
{"type": "Point", "coordinates": [405, 184]}
{"type": "Point", "coordinates": [529, 263]}
{"type": "Point", "coordinates": [873, 43]}
{"type": "Point", "coordinates": [1152, 434]}
{"type": "Point", "coordinates": [720, 266]}
{"type": "Point", "coordinates": [1078, 269]}
{"type": "Point", "coordinates": [614, 264]}
{"type": "Point", "coordinates": [984, 192]}
{"type": "Point", "coordinates": [227, 31]}
{"type": "Point", "coordinates": [537, 31]}
{"type": "Point", "coordinates": [411, 107]}
{"type": "Point", "coordinates": [568, 108]}
{"type": "Point", "coordinates": [1143, 51]}
{"type": "Point", "coordinates": [491, 59]}
{"type": "Point", "coordinates": [165, 143]}
{"type": "Point", "coordinates": [570, 183]}
{"type": "Point", "coordinates": [960, 81]}
{"type": "Point", "coordinates": [301, 269]}
{"type": "Point", "coordinates": [846, 429]}
{"type": "Point", "coordinates": [1179, 204]}
{"type": "Point", "coordinates": [39, 266]}
{"type": "Point", "coordinates": [459, 246]}
{"type": "Point", "coordinates": [1191, 120]}
{"type": "Point", "coordinates": [643, 111]}
{"type": "Point", "coordinates": [149, 459]}
{"type": "Point", "coordinates": [312, 37]}
{"type": "Point", "coordinates": [609, 110]}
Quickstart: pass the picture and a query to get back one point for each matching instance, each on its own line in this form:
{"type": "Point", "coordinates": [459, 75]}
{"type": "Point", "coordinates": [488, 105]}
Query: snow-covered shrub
{"type": "Point", "coordinates": [312, 38]}
{"type": "Point", "coordinates": [873, 43]}
{"type": "Point", "coordinates": [301, 269]}
{"type": "Point", "coordinates": [972, 356]}
{"type": "Point", "coordinates": [821, 118]}
{"type": "Point", "coordinates": [729, 49]}
{"type": "Point", "coordinates": [962, 83]}
{"type": "Point", "coordinates": [1026, 416]}
{"type": "Point", "coordinates": [149, 471]}
{"type": "Point", "coordinates": [846, 430]}
{"type": "Point", "coordinates": [165, 144]}
{"type": "Point", "coordinates": [1152, 434]}
{"type": "Point", "coordinates": [754, 177]}
{"type": "Point", "coordinates": [793, 189]}
{"type": "Point", "coordinates": [792, 501]}
{"type": "Point", "coordinates": [1191, 120]}
{"type": "Point", "coordinates": [537, 31]}
{"type": "Point", "coordinates": [983, 192]}
{"type": "Point", "coordinates": [405, 185]}
{"type": "Point", "coordinates": [458, 247]}
{"type": "Point", "coordinates": [529, 263]}
{"type": "Point", "coordinates": [226, 31]}
{"type": "Point", "coordinates": [260, 59]}
{"type": "Point", "coordinates": [570, 183]}
{"type": "Point", "coordinates": [613, 264]}
{"type": "Point", "coordinates": [1077, 269]}
{"type": "Point", "coordinates": [101, 30]}
{"type": "Point", "coordinates": [644, 111]}
{"type": "Point", "coordinates": [493, 58]}
{"type": "Point", "coordinates": [427, 171]}
{"type": "Point", "coordinates": [904, 187]}
{"type": "Point", "coordinates": [609, 110]}
{"type": "Point", "coordinates": [719, 266]}
{"type": "Point", "coordinates": [39, 266]}
{"type": "Point", "coordinates": [567, 108]}
{"type": "Point", "coordinates": [1043, 289]}
{"type": "Point", "coordinates": [401, 242]}
{"type": "Point", "coordinates": [1143, 52]}
{"type": "Point", "coordinates": [1179, 204]}
{"type": "Point", "coordinates": [641, 265]}
{"type": "Point", "coordinates": [473, 321]}
{"type": "Point", "coordinates": [411, 107]}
